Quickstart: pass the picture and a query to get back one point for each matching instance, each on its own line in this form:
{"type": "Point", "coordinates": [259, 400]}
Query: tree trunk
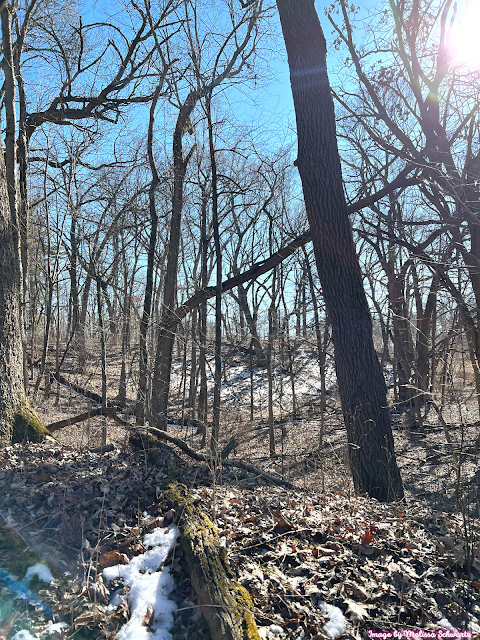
{"type": "Point", "coordinates": [321, 346]}
{"type": "Point", "coordinates": [218, 288]}
{"type": "Point", "coordinates": [192, 389]}
{"type": "Point", "coordinates": [269, 358]}
{"type": "Point", "coordinates": [74, 297]}
{"type": "Point", "coordinates": [252, 324]}
{"type": "Point", "coordinates": [103, 350]}
{"type": "Point", "coordinates": [166, 336]}
{"type": "Point", "coordinates": [402, 336]}
{"type": "Point", "coordinates": [147, 304]}
{"type": "Point", "coordinates": [17, 420]}
{"type": "Point", "coordinates": [202, 397]}
{"type": "Point", "coordinates": [360, 379]}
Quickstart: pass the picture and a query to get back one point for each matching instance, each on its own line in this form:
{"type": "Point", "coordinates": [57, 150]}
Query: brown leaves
{"type": "Point", "coordinates": [368, 537]}
{"type": "Point", "coordinates": [86, 619]}
{"type": "Point", "coordinates": [149, 616]}
{"type": "Point", "coordinates": [98, 591]}
{"type": "Point", "coordinates": [112, 558]}
{"type": "Point", "coordinates": [373, 562]}
{"type": "Point", "coordinates": [281, 522]}
{"type": "Point", "coordinates": [41, 478]}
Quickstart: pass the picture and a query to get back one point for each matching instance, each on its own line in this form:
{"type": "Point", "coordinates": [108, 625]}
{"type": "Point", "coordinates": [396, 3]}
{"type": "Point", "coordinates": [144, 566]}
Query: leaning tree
{"type": "Point", "coordinates": [360, 379]}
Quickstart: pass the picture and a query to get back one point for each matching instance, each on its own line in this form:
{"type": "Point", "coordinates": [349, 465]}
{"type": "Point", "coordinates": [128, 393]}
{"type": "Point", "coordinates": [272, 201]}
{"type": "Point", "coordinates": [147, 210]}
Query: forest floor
{"type": "Point", "coordinates": [405, 568]}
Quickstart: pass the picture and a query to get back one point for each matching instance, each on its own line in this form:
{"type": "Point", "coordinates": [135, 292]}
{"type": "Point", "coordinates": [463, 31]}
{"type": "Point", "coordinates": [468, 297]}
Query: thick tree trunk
{"type": "Point", "coordinates": [17, 420]}
{"type": "Point", "coordinates": [360, 378]}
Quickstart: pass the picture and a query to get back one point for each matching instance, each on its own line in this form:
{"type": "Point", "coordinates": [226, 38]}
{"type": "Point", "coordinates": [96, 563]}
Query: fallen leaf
{"type": "Point", "coordinates": [356, 612]}
{"type": "Point", "coordinates": [112, 558]}
{"type": "Point", "coordinates": [41, 478]}
{"type": "Point", "coordinates": [148, 617]}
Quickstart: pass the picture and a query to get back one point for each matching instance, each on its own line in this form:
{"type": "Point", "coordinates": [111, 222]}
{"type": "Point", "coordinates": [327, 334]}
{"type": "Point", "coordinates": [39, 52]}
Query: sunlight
{"type": "Point", "coordinates": [464, 38]}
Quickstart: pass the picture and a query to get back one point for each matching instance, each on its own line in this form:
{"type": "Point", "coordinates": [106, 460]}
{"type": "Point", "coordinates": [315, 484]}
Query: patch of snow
{"type": "Point", "coordinates": [55, 627]}
{"type": "Point", "coordinates": [149, 588]}
{"type": "Point", "coordinates": [24, 635]}
{"type": "Point", "coordinates": [274, 628]}
{"type": "Point", "coordinates": [445, 624]}
{"type": "Point", "coordinates": [116, 599]}
{"type": "Point", "coordinates": [337, 622]}
{"type": "Point", "coordinates": [42, 572]}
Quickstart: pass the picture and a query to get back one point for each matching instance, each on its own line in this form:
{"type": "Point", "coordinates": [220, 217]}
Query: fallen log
{"type": "Point", "coordinates": [232, 444]}
{"type": "Point", "coordinates": [225, 604]}
{"type": "Point", "coordinates": [109, 412]}
{"type": "Point", "coordinates": [247, 466]}
{"type": "Point", "coordinates": [91, 395]}
{"type": "Point", "coordinates": [161, 435]}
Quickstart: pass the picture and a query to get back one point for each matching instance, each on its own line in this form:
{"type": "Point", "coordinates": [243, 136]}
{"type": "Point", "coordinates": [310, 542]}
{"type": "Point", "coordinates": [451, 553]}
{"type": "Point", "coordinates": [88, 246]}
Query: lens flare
{"type": "Point", "coordinates": [464, 41]}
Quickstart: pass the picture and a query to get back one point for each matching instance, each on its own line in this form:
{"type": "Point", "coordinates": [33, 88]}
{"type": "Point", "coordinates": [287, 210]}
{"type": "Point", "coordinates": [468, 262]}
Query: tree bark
{"type": "Point", "coordinates": [17, 420]}
{"type": "Point", "coordinates": [166, 336]}
{"type": "Point", "coordinates": [147, 305]}
{"type": "Point", "coordinates": [218, 289]}
{"type": "Point", "coordinates": [225, 604]}
{"type": "Point", "coordinates": [360, 379]}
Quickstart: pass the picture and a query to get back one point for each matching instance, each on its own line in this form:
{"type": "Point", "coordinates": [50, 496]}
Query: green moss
{"type": "Point", "coordinates": [176, 495]}
{"type": "Point", "coordinates": [244, 603]}
{"type": "Point", "coordinates": [242, 595]}
{"type": "Point", "coordinates": [200, 544]}
{"type": "Point", "coordinates": [27, 426]}
{"type": "Point", "coordinates": [251, 627]}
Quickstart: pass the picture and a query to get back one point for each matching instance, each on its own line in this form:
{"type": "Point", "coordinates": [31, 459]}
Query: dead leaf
{"type": "Point", "coordinates": [98, 591]}
{"type": "Point", "coordinates": [356, 612]}
{"type": "Point", "coordinates": [85, 619]}
{"type": "Point", "coordinates": [356, 590]}
{"type": "Point", "coordinates": [41, 478]}
{"type": "Point", "coordinates": [148, 617]}
{"type": "Point", "coordinates": [280, 522]}
{"type": "Point", "coordinates": [112, 558]}
{"type": "Point", "coordinates": [156, 522]}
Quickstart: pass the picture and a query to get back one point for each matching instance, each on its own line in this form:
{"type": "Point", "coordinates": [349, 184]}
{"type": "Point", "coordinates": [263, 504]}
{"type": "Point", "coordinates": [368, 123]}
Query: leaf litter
{"type": "Point", "coordinates": [314, 564]}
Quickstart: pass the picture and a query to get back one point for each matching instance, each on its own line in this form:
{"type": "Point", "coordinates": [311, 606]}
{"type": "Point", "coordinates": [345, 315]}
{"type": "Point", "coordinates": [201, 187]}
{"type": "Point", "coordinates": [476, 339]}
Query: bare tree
{"type": "Point", "coordinates": [231, 57]}
{"type": "Point", "coordinates": [360, 378]}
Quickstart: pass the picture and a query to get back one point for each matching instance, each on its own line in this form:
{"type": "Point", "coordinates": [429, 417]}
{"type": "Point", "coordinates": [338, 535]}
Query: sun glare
{"type": "Point", "coordinates": [465, 36]}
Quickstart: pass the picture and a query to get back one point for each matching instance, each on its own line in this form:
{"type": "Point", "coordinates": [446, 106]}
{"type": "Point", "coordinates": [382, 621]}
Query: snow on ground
{"type": "Point", "coordinates": [337, 622]}
{"type": "Point", "coordinates": [236, 382]}
{"type": "Point", "coordinates": [42, 572]}
{"type": "Point", "coordinates": [151, 612]}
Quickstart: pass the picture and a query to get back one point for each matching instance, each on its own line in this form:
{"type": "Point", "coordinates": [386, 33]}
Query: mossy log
{"type": "Point", "coordinates": [225, 604]}
{"type": "Point", "coordinates": [27, 426]}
